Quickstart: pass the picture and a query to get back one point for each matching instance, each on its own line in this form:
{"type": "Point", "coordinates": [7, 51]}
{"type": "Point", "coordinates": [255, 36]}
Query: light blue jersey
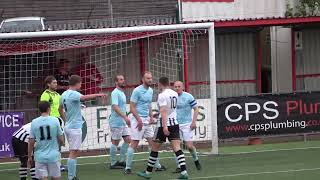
{"type": "Point", "coordinates": [186, 103]}
{"type": "Point", "coordinates": [142, 97]}
{"type": "Point", "coordinates": [45, 130]}
{"type": "Point", "coordinates": [70, 100]}
{"type": "Point", "coordinates": [117, 98]}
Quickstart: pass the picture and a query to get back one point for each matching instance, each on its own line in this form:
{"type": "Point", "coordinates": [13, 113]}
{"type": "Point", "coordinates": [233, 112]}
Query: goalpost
{"type": "Point", "coordinates": [181, 52]}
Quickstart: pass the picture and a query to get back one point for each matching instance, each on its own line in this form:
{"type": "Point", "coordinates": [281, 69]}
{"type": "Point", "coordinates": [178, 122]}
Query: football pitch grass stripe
{"type": "Point", "coordinates": [200, 153]}
{"type": "Point", "coordinates": [82, 157]}
{"type": "Point", "coordinates": [204, 177]}
{"type": "Point", "coordinates": [275, 161]}
{"type": "Point", "coordinates": [258, 173]}
{"type": "Point", "coordinates": [141, 153]}
{"type": "Point", "coordinates": [85, 164]}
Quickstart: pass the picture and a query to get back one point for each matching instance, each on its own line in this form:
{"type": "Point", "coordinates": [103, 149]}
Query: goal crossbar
{"type": "Point", "coordinates": [41, 34]}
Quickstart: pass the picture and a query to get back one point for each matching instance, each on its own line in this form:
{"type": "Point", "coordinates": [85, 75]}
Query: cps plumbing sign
{"type": "Point", "coordinates": [96, 131]}
{"type": "Point", "coordinates": [269, 115]}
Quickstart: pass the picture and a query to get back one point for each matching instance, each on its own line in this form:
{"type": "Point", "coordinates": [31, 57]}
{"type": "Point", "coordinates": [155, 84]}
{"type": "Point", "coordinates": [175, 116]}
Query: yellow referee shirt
{"type": "Point", "coordinates": [54, 99]}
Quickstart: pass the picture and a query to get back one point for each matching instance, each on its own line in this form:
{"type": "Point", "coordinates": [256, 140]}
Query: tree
{"type": "Point", "coordinates": [305, 8]}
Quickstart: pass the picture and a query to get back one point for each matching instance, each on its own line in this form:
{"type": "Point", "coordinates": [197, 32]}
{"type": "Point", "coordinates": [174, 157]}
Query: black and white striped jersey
{"type": "Point", "coordinates": [168, 98]}
{"type": "Point", "coordinates": [23, 133]}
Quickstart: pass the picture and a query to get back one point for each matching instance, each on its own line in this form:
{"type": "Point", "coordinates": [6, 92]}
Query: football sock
{"type": "Point", "coordinates": [113, 154]}
{"type": "Point", "coordinates": [123, 152]}
{"type": "Point", "coordinates": [72, 168]}
{"type": "Point", "coordinates": [181, 161]}
{"type": "Point", "coordinates": [152, 161]}
{"type": "Point", "coordinates": [194, 154]}
{"type": "Point", "coordinates": [130, 155]}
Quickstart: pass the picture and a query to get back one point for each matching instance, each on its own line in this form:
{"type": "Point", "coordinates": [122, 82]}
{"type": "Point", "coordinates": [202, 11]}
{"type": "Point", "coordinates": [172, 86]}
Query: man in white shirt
{"type": "Point", "coordinates": [167, 128]}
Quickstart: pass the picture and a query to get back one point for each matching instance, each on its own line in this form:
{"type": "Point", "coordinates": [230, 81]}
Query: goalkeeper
{"type": "Point", "coordinates": [53, 97]}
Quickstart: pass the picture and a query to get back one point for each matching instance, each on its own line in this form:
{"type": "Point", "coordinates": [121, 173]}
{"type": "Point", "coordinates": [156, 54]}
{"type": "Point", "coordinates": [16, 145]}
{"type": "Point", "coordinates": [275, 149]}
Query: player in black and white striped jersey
{"type": "Point", "coordinates": [20, 140]}
{"type": "Point", "coordinates": [167, 128]}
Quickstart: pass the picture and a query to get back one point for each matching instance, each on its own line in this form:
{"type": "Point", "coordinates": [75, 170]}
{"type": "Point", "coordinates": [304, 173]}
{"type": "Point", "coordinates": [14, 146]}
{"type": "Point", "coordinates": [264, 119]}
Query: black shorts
{"type": "Point", "coordinates": [20, 148]}
{"type": "Point", "coordinates": [161, 137]}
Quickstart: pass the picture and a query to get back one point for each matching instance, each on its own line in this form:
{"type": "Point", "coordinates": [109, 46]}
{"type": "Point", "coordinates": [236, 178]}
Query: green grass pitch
{"type": "Point", "coordinates": [287, 161]}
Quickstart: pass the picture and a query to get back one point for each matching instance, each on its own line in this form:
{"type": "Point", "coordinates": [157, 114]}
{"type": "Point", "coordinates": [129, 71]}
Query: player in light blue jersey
{"type": "Point", "coordinates": [119, 123]}
{"type": "Point", "coordinates": [141, 119]}
{"type": "Point", "coordinates": [187, 122]}
{"type": "Point", "coordinates": [71, 103]}
{"type": "Point", "coordinates": [46, 131]}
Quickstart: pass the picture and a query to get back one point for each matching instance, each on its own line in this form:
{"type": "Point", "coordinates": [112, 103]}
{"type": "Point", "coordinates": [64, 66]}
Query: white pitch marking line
{"type": "Point", "coordinates": [258, 173]}
{"type": "Point", "coordinates": [270, 150]}
{"type": "Point", "coordinates": [82, 157]}
{"type": "Point", "coordinates": [84, 164]}
{"type": "Point", "coordinates": [238, 153]}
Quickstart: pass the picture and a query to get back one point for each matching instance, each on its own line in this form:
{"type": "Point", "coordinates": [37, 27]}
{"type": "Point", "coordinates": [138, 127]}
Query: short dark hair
{"type": "Point", "coordinates": [146, 72]}
{"type": "Point", "coordinates": [164, 81]}
{"type": "Point", "coordinates": [116, 77]}
{"type": "Point", "coordinates": [49, 79]}
{"type": "Point", "coordinates": [74, 79]}
{"type": "Point", "coordinates": [44, 106]}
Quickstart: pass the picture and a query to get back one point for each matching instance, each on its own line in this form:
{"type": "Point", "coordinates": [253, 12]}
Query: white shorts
{"type": "Point", "coordinates": [146, 131]}
{"type": "Point", "coordinates": [74, 137]}
{"type": "Point", "coordinates": [185, 132]}
{"type": "Point", "coordinates": [119, 133]}
{"type": "Point", "coordinates": [48, 170]}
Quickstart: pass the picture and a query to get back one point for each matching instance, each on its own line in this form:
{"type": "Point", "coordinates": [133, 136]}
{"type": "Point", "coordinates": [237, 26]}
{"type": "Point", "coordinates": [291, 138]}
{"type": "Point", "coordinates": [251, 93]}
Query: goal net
{"type": "Point", "coordinates": [180, 52]}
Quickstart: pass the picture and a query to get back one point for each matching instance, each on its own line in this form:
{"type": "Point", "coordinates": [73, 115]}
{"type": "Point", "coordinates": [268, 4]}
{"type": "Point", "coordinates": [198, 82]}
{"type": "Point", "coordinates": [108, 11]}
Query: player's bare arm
{"type": "Point", "coordinates": [133, 110]}
{"type": "Point", "coordinates": [30, 151]}
{"type": "Point", "coordinates": [194, 118]}
{"type": "Point", "coordinates": [61, 140]}
{"type": "Point", "coordinates": [164, 117]}
{"type": "Point", "coordinates": [124, 116]}
{"type": "Point", "coordinates": [92, 96]}
{"type": "Point", "coordinates": [61, 112]}
{"type": "Point", "coordinates": [151, 115]}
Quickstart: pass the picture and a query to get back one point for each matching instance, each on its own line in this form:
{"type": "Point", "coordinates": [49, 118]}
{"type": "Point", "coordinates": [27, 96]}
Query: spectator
{"type": "Point", "coordinates": [62, 75]}
{"type": "Point", "coordinates": [91, 77]}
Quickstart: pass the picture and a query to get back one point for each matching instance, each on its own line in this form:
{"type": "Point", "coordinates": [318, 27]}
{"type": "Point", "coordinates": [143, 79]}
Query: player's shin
{"type": "Point", "coordinates": [72, 168]}
{"type": "Point", "coordinates": [113, 154]}
{"type": "Point", "coordinates": [123, 151]}
{"type": "Point", "coordinates": [177, 162]}
{"type": "Point", "coordinates": [194, 154]}
{"type": "Point", "coordinates": [151, 162]}
{"type": "Point", "coordinates": [130, 155]}
{"type": "Point", "coordinates": [23, 173]}
{"type": "Point", "coordinates": [182, 161]}
{"type": "Point", "coordinates": [23, 170]}
{"type": "Point", "coordinates": [33, 173]}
